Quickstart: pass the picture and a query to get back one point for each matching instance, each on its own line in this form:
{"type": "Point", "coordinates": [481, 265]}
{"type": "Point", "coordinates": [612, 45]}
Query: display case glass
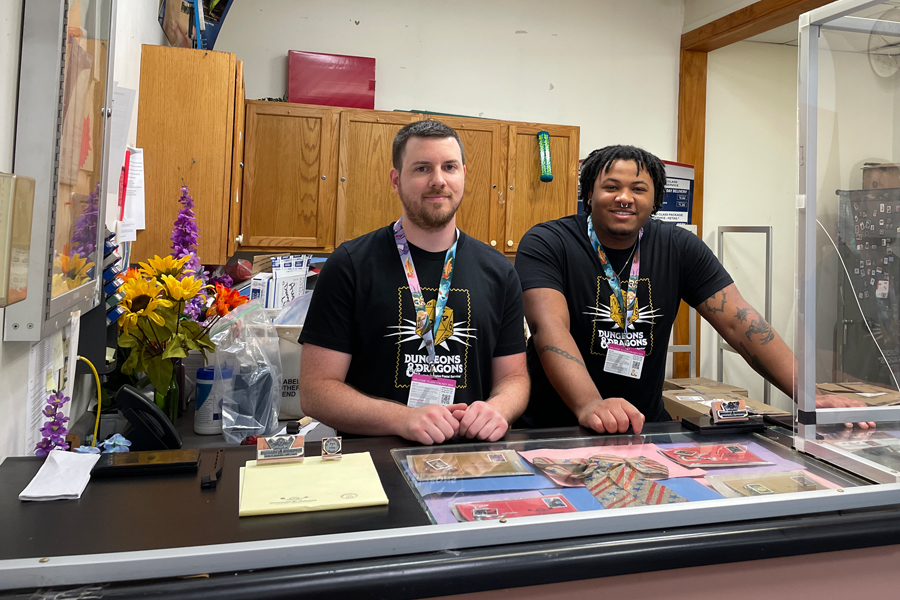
{"type": "Point", "coordinates": [849, 236]}
{"type": "Point", "coordinates": [485, 481]}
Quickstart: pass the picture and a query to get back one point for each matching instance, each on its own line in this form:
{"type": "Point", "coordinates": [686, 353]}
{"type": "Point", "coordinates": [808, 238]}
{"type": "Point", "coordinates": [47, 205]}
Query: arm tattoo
{"type": "Point", "coordinates": [757, 365]}
{"type": "Point", "coordinates": [762, 328]}
{"type": "Point", "coordinates": [562, 353]}
{"type": "Point", "coordinates": [715, 309]}
{"type": "Point", "coordinates": [742, 313]}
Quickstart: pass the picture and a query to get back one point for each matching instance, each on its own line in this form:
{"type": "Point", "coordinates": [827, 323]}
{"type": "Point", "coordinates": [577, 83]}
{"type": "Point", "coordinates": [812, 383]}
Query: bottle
{"type": "Point", "coordinates": [208, 407]}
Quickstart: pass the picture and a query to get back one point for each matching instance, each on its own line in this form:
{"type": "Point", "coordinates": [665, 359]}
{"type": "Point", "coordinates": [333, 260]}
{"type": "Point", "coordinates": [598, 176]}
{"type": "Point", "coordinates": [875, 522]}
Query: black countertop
{"type": "Point", "coordinates": [145, 513]}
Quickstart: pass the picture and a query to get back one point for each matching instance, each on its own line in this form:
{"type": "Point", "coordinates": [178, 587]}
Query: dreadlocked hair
{"type": "Point", "coordinates": [600, 160]}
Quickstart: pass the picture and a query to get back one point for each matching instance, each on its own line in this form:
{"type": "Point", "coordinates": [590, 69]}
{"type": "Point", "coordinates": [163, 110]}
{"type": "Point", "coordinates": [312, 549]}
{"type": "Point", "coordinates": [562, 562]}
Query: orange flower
{"type": "Point", "coordinates": [131, 275]}
{"type": "Point", "coordinates": [226, 301]}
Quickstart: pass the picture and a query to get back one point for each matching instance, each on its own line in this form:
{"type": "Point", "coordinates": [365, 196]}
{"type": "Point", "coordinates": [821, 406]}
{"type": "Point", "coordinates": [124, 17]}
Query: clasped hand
{"type": "Point", "coordinates": [436, 423]}
{"type": "Point", "coordinates": [611, 415]}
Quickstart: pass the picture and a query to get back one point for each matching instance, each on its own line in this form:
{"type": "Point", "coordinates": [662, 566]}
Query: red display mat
{"type": "Point", "coordinates": [331, 79]}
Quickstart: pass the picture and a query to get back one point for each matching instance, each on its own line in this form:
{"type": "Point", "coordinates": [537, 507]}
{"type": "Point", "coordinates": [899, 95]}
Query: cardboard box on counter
{"type": "Point", "coordinates": [702, 385]}
{"type": "Point", "coordinates": [873, 395]}
{"type": "Point", "coordinates": [688, 403]}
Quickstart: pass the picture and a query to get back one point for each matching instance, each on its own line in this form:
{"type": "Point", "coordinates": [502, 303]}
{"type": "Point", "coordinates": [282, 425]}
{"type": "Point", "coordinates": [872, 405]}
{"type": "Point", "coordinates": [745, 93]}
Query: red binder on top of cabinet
{"type": "Point", "coordinates": [331, 79]}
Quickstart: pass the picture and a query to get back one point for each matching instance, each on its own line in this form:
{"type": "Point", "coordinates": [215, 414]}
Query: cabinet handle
{"type": "Point", "coordinates": [511, 187]}
{"type": "Point", "coordinates": [509, 243]}
{"type": "Point", "coordinates": [239, 239]}
{"type": "Point", "coordinates": [493, 242]}
{"type": "Point", "coordinates": [494, 186]}
{"type": "Point", "coordinates": [323, 178]}
{"type": "Point", "coordinates": [242, 164]}
{"type": "Point", "coordinates": [343, 179]}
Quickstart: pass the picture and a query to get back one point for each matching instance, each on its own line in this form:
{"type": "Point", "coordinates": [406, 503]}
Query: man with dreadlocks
{"type": "Point", "coordinates": [602, 290]}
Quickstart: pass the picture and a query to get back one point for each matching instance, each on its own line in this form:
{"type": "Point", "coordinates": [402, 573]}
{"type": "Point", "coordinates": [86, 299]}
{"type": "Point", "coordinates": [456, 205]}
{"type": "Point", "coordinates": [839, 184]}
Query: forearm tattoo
{"type": "Point", "coordinates": [758, 326]}
{"type": "Point", "coordinates": [562, 353]}
{"type": "Point", "coordinates": [714, 309]}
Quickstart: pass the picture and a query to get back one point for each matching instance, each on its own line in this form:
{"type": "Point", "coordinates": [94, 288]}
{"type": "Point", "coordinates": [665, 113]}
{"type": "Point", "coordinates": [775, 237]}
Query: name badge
{"type": "Point", "coordinates": [425, 390]}
{"type": "Point", "coordinates": [624, 361]}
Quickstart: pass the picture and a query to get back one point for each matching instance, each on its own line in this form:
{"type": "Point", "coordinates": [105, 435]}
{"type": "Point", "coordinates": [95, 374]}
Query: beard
{"type": "Point", "coordinates": [425, 215]}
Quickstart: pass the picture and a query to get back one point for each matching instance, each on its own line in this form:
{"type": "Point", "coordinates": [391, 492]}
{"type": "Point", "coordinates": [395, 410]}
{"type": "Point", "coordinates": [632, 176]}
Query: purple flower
{"type": "Point", "coordinates": [84, 236]}
{"type": "Point", "coordinates": [54, 430]}
{"type": "Point", "coordinates": [185, 237]}
{"type": "Point", "coordinates": [185, 233]}
{"type": "Point", "coordinates": [44, 447]}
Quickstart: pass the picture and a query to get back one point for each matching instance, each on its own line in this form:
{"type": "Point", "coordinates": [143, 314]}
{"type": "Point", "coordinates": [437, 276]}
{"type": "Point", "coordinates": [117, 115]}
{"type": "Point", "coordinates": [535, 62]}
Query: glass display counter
{"type": "Point", "coordinates": [503, 481]}
{"type": "Point", "coordinates": [848, 272]}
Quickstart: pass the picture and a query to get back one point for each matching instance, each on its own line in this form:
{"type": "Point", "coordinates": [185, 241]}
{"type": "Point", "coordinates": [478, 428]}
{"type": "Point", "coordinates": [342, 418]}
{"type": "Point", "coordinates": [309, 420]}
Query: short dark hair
{"type": "Point", "coordinates": [423, 129]}
{"type": "Point", "coordinates": [600, 160]}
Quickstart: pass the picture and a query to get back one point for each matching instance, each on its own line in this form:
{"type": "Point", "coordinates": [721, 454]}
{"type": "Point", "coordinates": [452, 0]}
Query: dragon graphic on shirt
{"type": "Point", "coordinates": [411, 355]}
{"type": "Point", "coordinates": [612, 327]}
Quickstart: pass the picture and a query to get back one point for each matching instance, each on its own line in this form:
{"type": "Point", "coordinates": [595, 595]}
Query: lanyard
{"type": "Point", "coordinates": [428, 330]}
{"type": "Point", "coordinates": [613, 278]}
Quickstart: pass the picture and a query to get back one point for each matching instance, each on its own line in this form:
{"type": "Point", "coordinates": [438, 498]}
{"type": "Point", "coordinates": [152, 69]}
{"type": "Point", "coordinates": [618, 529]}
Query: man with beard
{"type": "Point", "coordinates": [416, 329]}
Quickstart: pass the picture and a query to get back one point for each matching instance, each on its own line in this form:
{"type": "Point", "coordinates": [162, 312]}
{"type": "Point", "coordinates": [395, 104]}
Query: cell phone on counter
{"type": "Point", "coordinates": [154, 462]}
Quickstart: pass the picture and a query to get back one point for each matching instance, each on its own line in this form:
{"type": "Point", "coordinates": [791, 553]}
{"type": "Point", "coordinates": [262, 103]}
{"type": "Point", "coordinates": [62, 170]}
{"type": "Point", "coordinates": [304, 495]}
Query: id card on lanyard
{"type": "Point", "coordinates": [425, 389]}
{"type": "Point", "coordinates": [620, 360]}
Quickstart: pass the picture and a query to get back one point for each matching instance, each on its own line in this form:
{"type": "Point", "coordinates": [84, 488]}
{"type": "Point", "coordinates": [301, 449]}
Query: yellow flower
{"type": "Point", "coordinates": [185, 289]}
{"type": "Point", "coordinates": [72, 267]}
{"type": "Point", "coordinates": [141, 300]}
{"type": "Point", "coordinates": [156, 267]}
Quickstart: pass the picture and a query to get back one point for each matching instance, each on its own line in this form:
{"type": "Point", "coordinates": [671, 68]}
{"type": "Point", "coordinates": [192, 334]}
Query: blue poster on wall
{"type": "Point", "coordinates": [679, 197]}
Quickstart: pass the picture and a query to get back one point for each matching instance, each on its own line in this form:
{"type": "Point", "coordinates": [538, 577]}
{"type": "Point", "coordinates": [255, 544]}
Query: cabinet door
{"type": "Point", "coordinates": [530, 200]}
{"type": "Point", "coordinates": [289, 187]}
{"type": "Point", "coordinates": [366, 200]}
{"type": "Point", "coordinates": [185, 128]}
{"type": "Point", "coordinates": [237, 162]}
{"type": "Point", "coordinates": [477, 215]}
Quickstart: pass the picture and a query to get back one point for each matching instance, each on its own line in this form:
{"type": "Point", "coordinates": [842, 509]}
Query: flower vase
{"type": "Point", "coordinates": [168, 400]}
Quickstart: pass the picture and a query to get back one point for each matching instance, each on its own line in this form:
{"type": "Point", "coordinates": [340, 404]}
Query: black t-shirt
{"type": "Point", "coordinates": [675, 265]}
{"type": "Point", "coordinates": [362, 306]}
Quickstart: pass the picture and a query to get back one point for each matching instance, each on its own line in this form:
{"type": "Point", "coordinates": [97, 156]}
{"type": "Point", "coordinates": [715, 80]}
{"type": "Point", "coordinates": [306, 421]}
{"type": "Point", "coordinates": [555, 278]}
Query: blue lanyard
{"type": "Point", "coordinates": [613, 279]}
{"type": "Point", "coordinates": [424, 327]}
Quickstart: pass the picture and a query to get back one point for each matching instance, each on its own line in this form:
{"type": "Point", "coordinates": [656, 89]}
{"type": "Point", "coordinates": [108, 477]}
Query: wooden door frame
{"type": "Point", "coordinates": [696, 44]}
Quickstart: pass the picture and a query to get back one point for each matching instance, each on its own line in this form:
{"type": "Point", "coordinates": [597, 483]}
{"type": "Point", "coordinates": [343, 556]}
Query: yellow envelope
{"type": "Point", "coordinates": [310, 485]}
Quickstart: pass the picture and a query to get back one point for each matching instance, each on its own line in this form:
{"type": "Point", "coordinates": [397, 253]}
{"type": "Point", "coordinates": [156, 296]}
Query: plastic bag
{"type": "Point", "coordinates": [294, 313]}
{"type": "Point", "coordinates": [248, 374]}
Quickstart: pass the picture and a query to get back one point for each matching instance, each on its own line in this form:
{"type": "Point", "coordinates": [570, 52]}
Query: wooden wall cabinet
{"type": "Point", "coordinates": [366, 199]}
{"type": "Point", "coordinates": [290, 182]}
{"type": "Point", "coordinates": [528, 199]}
{"type": "Point", "coordinates": [291, 193]}
{"type": "Point", "coordinates": [188, 130]}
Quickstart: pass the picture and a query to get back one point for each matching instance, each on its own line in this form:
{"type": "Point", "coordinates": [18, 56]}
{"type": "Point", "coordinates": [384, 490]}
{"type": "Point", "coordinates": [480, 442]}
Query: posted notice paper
{"type": "Point", "coordinates": [310, 485]}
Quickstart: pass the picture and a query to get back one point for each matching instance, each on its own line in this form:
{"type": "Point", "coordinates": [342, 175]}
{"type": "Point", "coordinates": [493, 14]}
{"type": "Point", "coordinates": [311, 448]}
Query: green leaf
{"type": "Point", "coordinates": [160, 373]}
{"type": "Point", "coordinates": [131, 362]}
{"type": "Point", "coordinates": [131, 340]}
{"type": "Point", "coordinates": [175, 348]}
{"type": "Point", "coordinates": [205, 343]}
{"type": "Point", "coordinates": [191, 328]}
{"type": "Point", "coordinates": [169, 316]}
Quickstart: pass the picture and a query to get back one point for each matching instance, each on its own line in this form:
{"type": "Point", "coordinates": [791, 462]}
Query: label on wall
{"type": "Point", "coordinates": [679, 197]}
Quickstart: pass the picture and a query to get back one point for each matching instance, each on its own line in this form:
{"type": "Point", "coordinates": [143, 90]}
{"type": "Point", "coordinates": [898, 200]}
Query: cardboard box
{"type": "Point", "coordinates": [884, 175]}
{"type": "Point", "coordinates": [702, 385]}
{"type": "Point", "coordinates": [688, 403]}
{"type": "Point", "coordinates": [870, 394]}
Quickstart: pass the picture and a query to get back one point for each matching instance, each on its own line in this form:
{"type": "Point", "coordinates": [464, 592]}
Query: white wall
{"type": "Point", "coordinates": [13, 355]}
{"type": "Point", "coordinates": [751, 109]}
{"type": "Point", "coordinates": [698, 13]}
{"type": "Point", "coordinates": [607, 66]}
